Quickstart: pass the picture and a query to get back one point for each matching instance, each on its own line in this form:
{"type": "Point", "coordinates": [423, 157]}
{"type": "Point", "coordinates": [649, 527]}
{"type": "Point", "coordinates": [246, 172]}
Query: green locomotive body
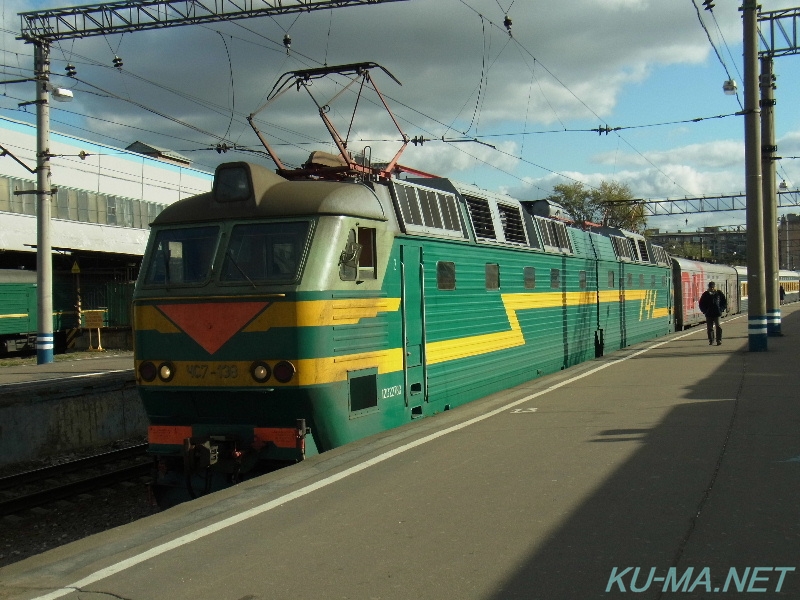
{"type": "Point", "coordinates": [276, 319]}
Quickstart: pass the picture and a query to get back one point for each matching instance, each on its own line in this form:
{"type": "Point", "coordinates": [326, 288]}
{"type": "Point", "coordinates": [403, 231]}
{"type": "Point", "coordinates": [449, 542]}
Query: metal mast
{"type": "Point", "coordinates": [779, 37]}
{"type": "Point", "coordinates": [42, 27]}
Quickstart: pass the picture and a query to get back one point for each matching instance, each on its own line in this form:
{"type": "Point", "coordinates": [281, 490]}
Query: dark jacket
{"type": "Point", "coordinates": [713, 304]}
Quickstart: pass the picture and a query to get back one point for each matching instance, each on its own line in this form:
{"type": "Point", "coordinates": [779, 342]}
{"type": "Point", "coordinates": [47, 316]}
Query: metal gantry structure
{"type": "Point", "coordinates": [43, 27]}
{"type": "Point", "coordinates": [123, 17]}
{"type": "Point", "coordinates": [724, 202]}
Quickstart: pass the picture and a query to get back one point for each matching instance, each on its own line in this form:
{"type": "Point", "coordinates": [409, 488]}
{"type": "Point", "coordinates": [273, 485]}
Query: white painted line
{"type": "Point", "coordinates": [225, 523]}
{"type": "Point", "coordinates": [68, 377]}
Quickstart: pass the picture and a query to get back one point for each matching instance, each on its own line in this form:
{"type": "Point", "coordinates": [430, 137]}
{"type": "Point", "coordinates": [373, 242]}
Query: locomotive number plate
{"type": "Point", "coordinates": [213, 370]}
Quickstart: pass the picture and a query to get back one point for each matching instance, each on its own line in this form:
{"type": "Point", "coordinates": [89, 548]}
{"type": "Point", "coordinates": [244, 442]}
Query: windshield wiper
{"type": "Point", "coordinates": [238, 268]}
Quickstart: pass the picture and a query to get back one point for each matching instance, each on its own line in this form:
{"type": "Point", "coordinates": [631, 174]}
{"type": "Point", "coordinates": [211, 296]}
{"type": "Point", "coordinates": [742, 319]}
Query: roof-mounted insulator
{"type": "Point", "coordinates": [117, 62]}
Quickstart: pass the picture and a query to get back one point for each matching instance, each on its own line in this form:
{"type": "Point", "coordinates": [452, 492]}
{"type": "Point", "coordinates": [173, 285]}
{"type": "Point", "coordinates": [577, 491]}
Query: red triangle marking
{"type": "Point", "coordinates": [211, 324]}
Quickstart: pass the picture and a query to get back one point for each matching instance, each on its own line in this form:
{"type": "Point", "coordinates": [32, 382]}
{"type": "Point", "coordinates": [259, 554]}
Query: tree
{"type": "Point", "coordinates": [614, 199]}
{"type": "Point", "coordinates": [577, 201]}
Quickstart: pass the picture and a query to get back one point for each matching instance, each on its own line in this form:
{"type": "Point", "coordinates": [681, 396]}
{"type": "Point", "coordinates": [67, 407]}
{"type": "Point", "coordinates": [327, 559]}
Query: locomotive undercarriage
{"type": "Point", "coordinates": [209, 463]}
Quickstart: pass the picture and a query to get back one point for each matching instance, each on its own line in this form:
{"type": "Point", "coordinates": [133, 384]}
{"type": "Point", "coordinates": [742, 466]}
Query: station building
{"type": "Point", "coordinates": [100, 214]}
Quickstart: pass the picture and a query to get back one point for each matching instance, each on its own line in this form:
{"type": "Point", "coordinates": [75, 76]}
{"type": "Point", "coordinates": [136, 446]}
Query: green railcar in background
{"type": "Point", "coordinates": [19, 313]}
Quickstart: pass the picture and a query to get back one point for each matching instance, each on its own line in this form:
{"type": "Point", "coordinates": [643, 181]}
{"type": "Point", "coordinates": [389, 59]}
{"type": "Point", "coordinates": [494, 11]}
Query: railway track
{"type": "Point", "coordinates": [39, 487]}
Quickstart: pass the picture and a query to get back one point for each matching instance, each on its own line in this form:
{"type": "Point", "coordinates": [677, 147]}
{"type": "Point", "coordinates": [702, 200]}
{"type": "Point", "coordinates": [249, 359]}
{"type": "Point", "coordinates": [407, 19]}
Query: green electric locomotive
{"type": "Point", "coordinates": [286, 313]}
{"type": "Point", "coordinates": [276, 319]}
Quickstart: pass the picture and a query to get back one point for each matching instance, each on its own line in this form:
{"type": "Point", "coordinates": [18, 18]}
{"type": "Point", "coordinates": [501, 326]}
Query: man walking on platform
{"type": "Point", "coordinates": [712, 305]}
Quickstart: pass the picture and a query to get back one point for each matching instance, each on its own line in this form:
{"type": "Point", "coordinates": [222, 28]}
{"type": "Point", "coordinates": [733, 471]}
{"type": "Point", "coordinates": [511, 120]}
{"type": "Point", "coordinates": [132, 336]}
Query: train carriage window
{"type": "Point", "coordinates": [582, 279]}
{"type": "Point", "coordinates": [529, 276]}
{"type": "Point", "coordinates": [652, 281]}
{"type": "Point", "coordinates": [630, 281]}
{"type": "Point", "coordinates": [445, 275]}
{"type": "Point", "coordinates": [182, 256]}
{"type": "Point", "coordinates": [555, 279]}
{"type": "Point", "coordinates": [265, 252]}
{"type": "Point", "coordinates": [641, 280]}
{"type": "Point", "coordinates": [611, 279]}
{"type": "Point", "coordinates": [492, 276]}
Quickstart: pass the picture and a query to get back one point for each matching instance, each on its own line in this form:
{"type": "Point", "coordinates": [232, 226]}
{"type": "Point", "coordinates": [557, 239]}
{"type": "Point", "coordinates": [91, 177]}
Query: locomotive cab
{"type": "Point", "coordinates": [234, 308]}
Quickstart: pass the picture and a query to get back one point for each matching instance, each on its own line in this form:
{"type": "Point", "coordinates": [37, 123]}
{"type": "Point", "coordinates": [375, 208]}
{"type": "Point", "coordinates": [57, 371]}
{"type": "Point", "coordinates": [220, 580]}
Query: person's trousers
{"type": "Point", "coordinates": [712, 323]}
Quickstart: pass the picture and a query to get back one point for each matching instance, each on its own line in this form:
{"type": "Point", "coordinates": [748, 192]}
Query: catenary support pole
{"type": "Point", "coordinates": [44, 258]}
{"type": "Point", "coordinates": [757, 305]}
{"type": "Point", "coordinates": [768, 149]}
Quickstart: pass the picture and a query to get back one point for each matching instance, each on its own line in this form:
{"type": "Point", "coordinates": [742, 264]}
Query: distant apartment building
{"type": "Point", "coordinates": [710, 244]}
{"type": "Point", "coordinates": [789, 242]}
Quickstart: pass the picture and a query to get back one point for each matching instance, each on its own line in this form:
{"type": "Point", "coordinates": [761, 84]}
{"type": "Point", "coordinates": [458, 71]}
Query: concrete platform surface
{"type": "Point", "coordinates": [667, 470]}
{"type": "Point", "coordinates": [69, 367]}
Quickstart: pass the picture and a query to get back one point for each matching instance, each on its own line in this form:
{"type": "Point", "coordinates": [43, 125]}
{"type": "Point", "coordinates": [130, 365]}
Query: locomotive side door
{"type": "Point", "coordinates": [413, 315]}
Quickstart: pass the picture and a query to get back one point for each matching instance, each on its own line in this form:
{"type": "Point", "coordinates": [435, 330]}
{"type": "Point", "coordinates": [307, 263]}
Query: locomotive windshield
{"type": "Point", "coordinates": [265, 252]}
{"type": "Point", "coordinates": [182, 256]}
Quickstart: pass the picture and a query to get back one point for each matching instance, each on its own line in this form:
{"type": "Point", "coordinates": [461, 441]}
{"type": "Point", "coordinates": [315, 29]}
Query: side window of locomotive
{"type": "Point", "coordinates": [582, 279]}
{"type": "Point", "coordinates": [555, 279]}
{"type": "Point", "coordinates": [348, 259]}
{"type": "Point", "coordinates": [368, 259]}
{"type": "Point", "coordinates": [182, 256]}
{"type": "Point", "coordinates": [641, 280]}
{"type": "Point", "coordinates": [529, 277]}
{"type": "Point", "coordinates": [445, 275]}
{"type": "Point", "coordinates": [358, 258]}
{"type": "Point", "coordinates": [611, 279]}
{"type": "Point", "coordinates": [492, 276]}
{"type": "Point", "coordinates": [264, 252]}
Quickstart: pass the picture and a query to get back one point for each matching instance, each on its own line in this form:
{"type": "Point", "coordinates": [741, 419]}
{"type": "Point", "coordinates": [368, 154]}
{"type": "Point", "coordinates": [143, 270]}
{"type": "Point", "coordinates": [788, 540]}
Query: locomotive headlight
{"type": "Point", "coordinates": [166, 371]}
{"type": "Point", "coordinates": [147, 371]}
{"type": "Point", "coordinates": [260, 371]}
{"type": "Point", "coordinates": [284, 371]}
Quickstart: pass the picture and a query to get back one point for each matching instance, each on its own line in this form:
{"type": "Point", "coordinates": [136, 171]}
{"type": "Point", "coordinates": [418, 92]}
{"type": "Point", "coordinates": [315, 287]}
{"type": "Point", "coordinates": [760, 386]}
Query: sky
{"type": "Point", "coordinates": [507, 112]}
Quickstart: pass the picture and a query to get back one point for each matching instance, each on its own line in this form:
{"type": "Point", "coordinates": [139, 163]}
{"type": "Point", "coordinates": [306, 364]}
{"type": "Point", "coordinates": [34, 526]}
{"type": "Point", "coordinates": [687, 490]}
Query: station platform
{"type": "Point", "coordinates": [68, 368]}
{"type": "Point", "coordinates": [669, 469]}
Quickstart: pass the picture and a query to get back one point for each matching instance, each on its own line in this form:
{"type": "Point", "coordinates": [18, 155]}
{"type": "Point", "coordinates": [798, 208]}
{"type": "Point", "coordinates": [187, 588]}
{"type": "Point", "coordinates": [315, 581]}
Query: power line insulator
{"type": "Point", "coordinates": [117, 62]}
{"type": "Point", "coordinates": [287, 42]}
{"type": "Point", "coordinates": [222, 148]}
{"type": "Point", "coordinates": [708, 4]}
{"type": "Point", "coordinates": [71, 70]}
{"type": "Point", "coordinates": [507, 24]}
